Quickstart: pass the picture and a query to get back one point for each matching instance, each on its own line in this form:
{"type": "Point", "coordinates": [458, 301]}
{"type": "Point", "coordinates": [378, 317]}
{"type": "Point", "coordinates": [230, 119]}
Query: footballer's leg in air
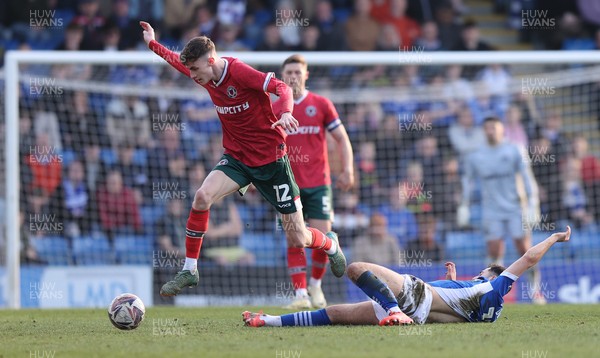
{"type": "Point", "coordinates": [216, 185]}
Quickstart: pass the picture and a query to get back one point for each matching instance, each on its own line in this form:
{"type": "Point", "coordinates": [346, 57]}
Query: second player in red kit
{"type": "Point", "coordinates": [307, 152]}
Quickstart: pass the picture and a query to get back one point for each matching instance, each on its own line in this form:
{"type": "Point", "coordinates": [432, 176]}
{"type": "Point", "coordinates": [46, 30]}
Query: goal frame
{"type": "Point", "coordinates": [12, 76]}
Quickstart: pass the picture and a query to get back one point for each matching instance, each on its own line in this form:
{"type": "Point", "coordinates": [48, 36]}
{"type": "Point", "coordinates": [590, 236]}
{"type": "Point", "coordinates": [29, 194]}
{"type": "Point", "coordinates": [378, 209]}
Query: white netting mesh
{"type": "Point", "coordinates": [110, 158]}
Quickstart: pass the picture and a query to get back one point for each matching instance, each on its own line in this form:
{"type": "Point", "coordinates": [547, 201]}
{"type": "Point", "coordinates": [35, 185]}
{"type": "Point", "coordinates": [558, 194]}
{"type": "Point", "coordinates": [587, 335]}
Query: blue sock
{"type": "Point", "coordinates": [377, 290]}
{"type": "Point", "coordinates": [306, 318]}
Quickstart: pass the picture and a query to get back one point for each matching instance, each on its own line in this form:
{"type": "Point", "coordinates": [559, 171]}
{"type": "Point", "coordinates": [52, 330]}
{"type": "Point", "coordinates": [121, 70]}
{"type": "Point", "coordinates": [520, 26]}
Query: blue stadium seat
{"type": "Point", "coordinates": [108, 156]}
{"type": "Point", "coordinates": [150, 215]}
{"type": "Point", "coordinates": [134, 249]}
{"type": "Point", "coordinates": [53, 249]}
{"type": "Point", "coordinates": [465, 245]}
{"type": "Point", "coordinates": [68, 156]}
{"type": "Point", "coordinates": [140, 157]}
{"type": "Point", "coordinates": [89, 250]}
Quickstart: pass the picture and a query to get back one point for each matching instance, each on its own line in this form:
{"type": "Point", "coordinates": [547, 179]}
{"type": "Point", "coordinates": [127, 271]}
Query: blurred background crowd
{"type": "Point", "coordinates": [106, 176]}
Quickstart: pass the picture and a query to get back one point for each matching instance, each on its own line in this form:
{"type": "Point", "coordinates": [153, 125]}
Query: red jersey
{"type": "Point", "coordinates": [307, 147]}
{"type": "Point", "coordinates": [244, 109]}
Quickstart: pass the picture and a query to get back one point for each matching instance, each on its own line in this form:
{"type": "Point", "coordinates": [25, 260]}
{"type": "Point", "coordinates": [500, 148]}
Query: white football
{"type": "Point", "coordinates": [126, 311]}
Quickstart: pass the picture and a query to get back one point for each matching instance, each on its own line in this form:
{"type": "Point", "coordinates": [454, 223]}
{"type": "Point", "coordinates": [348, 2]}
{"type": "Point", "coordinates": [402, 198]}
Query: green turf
{"type": "Point", "coordinates": [522, 331]}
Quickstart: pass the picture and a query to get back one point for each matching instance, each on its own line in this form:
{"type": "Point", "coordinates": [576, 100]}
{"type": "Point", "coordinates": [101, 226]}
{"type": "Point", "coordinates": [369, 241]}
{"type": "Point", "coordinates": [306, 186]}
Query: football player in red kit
{"type": "Point", "coordinates": [255, 150]}
{"type": "Point", "coordinates": [307, 152]}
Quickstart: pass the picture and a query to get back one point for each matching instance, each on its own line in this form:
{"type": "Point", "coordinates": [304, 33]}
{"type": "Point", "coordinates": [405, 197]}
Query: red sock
{"type": "Point", "coordinates": [319, 264]}
{"type": "Point", "coordinates": [197, 225]}
{"type": "Point", "coordinates": [296, 260]}
{"type": "Point", "coordinates": [319, 240]}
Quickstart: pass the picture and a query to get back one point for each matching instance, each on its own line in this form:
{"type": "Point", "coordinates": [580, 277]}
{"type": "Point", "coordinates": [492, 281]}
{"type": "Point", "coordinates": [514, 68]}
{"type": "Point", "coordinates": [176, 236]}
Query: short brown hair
{"type": "Point", "coordinates": [196, 48]}
{"type": "Point", "coordinates": [297, 58]}
{"type": "Point", "coordinates": [496, 269]}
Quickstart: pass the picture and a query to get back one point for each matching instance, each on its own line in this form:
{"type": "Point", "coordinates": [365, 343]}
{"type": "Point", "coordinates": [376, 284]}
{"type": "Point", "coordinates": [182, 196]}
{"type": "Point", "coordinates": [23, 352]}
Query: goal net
{"type": "Point", "coordinates": [103, 152]}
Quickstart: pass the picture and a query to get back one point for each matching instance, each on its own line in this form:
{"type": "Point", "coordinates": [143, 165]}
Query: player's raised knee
{"type": "Point", "coordinates": [202, 200]}
{"type": "Point", "coordinates": [355, 269]}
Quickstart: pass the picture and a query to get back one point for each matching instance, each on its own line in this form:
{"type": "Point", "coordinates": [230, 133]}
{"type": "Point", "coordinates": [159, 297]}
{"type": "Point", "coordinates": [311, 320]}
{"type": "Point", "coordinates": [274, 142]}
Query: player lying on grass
{"type": "Point", "coordinates": [255, 150]}
{"type": "Point", "coordinates": [404, 299]}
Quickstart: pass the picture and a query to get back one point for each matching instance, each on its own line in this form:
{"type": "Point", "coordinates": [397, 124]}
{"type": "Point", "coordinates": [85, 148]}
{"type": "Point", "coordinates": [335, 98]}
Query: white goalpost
{"type": "Point", "coordinates": [574, 71]}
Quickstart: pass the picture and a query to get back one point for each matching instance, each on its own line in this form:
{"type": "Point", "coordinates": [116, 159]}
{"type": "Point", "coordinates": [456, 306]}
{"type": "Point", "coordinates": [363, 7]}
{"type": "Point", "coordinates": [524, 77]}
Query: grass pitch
{"type": "Point", "coordinates": [523, 331]}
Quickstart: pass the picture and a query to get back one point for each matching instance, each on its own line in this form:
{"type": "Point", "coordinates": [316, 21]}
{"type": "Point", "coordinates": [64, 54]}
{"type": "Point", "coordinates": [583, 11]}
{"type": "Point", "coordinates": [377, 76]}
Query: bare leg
{"type": "Point", "coordinates": [356, 313]}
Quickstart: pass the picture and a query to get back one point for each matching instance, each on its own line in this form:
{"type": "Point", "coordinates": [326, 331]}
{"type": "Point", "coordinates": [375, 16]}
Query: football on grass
{"type": "Point", "coordinates": [126, 311]}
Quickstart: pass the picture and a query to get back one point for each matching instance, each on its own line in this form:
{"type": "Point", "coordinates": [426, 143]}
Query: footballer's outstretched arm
{"type": "Point", "coordinates": [171, 57]}
{"type": "Point", "coordinates": [535, 254]}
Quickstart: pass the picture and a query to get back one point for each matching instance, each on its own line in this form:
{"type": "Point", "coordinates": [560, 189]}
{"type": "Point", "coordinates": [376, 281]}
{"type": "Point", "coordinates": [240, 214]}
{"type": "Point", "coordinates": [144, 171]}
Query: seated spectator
{"type": "Point", "coordinates": [95, 169]}
{"type": "Point", "coordinates": [367, 173]}
{"type": "Point", "coordinates": [553, 131]}
{"type": "Point", "coordinates": [470, 38]}
{"type": "Point", "coordinates": [170, 229]}
{"type": "Point", "coordinates": [464, 136]}
{"type": "Point", "coordinates": [196, 173]}
{"type": "Point", "coordinates": [228, 39]}
{"type": "Point", "coordinates": [350, 221]}
{"type": "Point", "coordinates": [484, 105]}
{"type": "Point", "coordinates": [457, 88]}
{"type": "Point", "coordinates": [331, 31]}
{"type": "Point", "coordinates": [29, 254]}
{"type": "Point", "coordinates": [135, 175]}
{"type": "Point", "coordinates": [111, 36]}
{"type": "Point", "coordinates": [362, 31]}
{"type": "Point", "coordinates": [498, 79]}
{"type": "Point", "coordinates": [514, 131]}
{"type": "Point", "coordinates": [80, 123]}
{"type": "Point", "coordinates": [178, 14]}
{"type": "Point", "coordinates": [573, 34]}
{"type": "Point", "coordinates": [418, 194]}
{"type": "Point", "coordinates": [73, 38]}
{"type": "Point", "coordinates": [90, 19]}
{"type": "Point", "coordinates": [388, 39]}
{"type": "Point", "coordinates": [222, 241]}
{"type": "Point", "coordinates": [127, 27]}
{"type": "Point", "coordinates": [118, 210]}
{"type": "Point", "coordinates": [401, 222]}
{"type": "Point", "coordinates": [425, 247]}
{"type": "Point", "coordinates": [309, 39]}
{"type": "Point", "coordinates": [574, 198]}
{"type": "Point", "coordinates": [45, 163]}
{"type": "Point", "coordinates": [429, 39]}
{"type": "Point", "coordinates": [427, 155]}
{"type": "Point", "coordinates": [204, 21]}
{"type": "Point", "coordinates": [448, 27]}
{"type": "Point", "coordinates": [546, 171]}
{"type": "Point", "coordinates": [271, 39]}
{"type": "Point", "coordinates": [376, 245]}
{"type": "Point", "coordinates": [407, 28]}
{"type": "Point", "coordinates": [449, 197]}
{"type": "Point", "coordinates": [75, 202]}
{"type": "Point", "coordinates": [590, 173]}
{"type": "Point", "coordinates": [127, 120]}
{"type": "Point", "coordinates": [289, 32]}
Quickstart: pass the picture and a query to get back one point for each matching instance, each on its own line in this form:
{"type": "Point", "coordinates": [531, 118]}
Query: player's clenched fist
{"type": "Point", "coordinates": [148, 32]}
{"type": "Point", "coordinates": [287, 121]}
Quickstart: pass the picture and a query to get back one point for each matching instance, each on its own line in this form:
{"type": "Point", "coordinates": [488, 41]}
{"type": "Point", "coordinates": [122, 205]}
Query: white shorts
{"type": "Point", "coordinates": [415, 300]}
{"type": "Point", "coordinates": [496, 229]}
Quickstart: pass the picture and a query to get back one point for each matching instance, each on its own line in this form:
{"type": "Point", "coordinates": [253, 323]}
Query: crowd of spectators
{"type": "Point", "coordinates": [278, 25]}
{"type": "Point", "coordinates": [138, 175]}
{"type": "Point", "coordinates": [129, 165]}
